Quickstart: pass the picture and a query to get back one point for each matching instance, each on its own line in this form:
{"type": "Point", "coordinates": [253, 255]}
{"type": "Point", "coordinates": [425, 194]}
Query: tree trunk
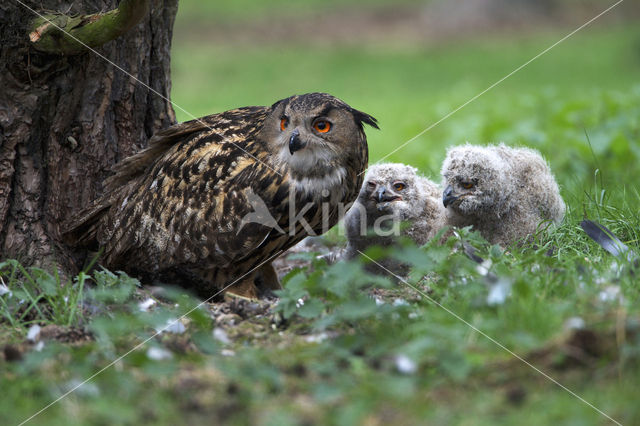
{"type": "Point", "coordinates": [66, 119]}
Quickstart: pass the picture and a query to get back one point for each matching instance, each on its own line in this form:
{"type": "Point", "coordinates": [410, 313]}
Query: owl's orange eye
{"type": "Point", "coordinates": [399, 186]}
{"type": "Point", "coordinates": [466, 185]}
{"type": "Point", "coordinates": [284, 123]}
{"type": "Point", "coordinates": [322, 126]}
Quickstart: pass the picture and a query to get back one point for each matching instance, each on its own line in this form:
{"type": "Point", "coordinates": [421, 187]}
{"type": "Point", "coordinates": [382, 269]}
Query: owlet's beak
{"type": "Point", "coordinates": [448, 196]}
{"type": "Point", "coordinates": [382, 195]}
{"type": "Point", "coordinates": [295, 143]}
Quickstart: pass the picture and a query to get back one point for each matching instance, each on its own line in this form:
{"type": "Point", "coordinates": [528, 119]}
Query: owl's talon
{"type": "Point", "coordinates": [245, 289]}
{"type": "Point", "coordinates": [233, 295]}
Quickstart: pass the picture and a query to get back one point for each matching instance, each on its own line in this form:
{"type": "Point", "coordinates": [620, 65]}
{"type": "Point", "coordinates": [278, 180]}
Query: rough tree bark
{"type": "Point", "coordinates": [67, 115]}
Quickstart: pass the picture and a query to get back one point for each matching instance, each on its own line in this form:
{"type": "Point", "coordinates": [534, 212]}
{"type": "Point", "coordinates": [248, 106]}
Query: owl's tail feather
{"type": "Point", "coordinates": [81, 230]}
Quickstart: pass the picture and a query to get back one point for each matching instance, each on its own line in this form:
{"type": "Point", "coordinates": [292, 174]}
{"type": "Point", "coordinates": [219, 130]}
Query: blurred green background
{"type": "Point", "coordinates": [409, 63]}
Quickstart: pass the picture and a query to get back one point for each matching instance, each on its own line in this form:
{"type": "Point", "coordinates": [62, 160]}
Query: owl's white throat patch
{"type": "Point", "coordinates": [330, 184]}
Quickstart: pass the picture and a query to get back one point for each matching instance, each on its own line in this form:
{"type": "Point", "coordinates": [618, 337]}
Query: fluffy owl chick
{"type": "Point", "coordinates": [504, 193]}
{"type": "Point", "coordinates": [217, 199]}
{"type": "Point", "coordinates": [393, 194]}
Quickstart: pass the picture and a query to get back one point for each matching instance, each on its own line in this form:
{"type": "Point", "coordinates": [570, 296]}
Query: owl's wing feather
{"type": "Point", "coordinates": [83, 228]}
{"type": "Point", "coordinates": [159, 143]}
{"type": "Point", "coordinates": [188, 206]}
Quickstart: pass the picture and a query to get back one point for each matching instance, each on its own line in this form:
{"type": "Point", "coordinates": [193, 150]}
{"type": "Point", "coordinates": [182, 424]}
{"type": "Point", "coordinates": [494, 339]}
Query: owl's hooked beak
{"type": "Point", "coordinates": [295, 143]}
{"type": "Point", "coordinates": [381, 195]}
{"type": "Point", "coordinates": [448, 196]}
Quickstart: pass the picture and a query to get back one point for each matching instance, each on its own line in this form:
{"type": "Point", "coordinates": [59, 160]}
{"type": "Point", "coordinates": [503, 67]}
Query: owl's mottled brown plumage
{"type": "Point", "coordinates": [179, 204]}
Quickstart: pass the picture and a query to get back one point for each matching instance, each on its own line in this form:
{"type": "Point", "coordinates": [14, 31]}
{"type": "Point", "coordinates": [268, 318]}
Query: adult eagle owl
{"type": "Point", "coordinates": [191, 202]}
{"type": "Point", "coordinates": [504, 193]}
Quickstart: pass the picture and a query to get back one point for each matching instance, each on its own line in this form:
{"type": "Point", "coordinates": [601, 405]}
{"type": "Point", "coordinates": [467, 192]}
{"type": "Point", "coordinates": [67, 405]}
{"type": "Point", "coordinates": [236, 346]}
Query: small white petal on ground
{"type": "Point", "coordinates": [146, 304]}
{"type": "Point", "coordinates": [316, 338]}
{"type": "Point", "coordinates": [220, 335]}
{"type": "Point", "coordinates": [405, 365]}
{"type": "Point", "coordinates": [5, 290]}
{"type": "Point", "coordinates": [172, 326]}
{"type": "Point", "coordinates": [158, 354]}
{"type": "Point", "coordinates": [483, 268]}
{"type": "Point", "coordinates": [610, 293]}
{"type": "Point", "coordinates": [574, 323]}
{"type": "Point", "coordinates": [34, 333]}
{"type": "Point", "coordinates": [82, 388]}
{"type": "Point", "coordinates": [499, 292]}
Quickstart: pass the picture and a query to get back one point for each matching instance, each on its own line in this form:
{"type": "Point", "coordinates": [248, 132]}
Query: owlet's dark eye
{"type": "Point", "coordinates": [284, 123]}
{"type": "Point", "coordinates": [371, 185]}
{"type": "Point", "coordinates": [322, 126]}
{"type": "Point", "coordinates": [399, 186]}
{"type": "Point", "coordinates": [466, 185]}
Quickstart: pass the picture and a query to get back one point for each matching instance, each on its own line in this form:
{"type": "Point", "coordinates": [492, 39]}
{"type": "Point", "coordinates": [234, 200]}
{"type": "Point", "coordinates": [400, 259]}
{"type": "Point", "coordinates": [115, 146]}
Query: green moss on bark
{"type": "Point", "coordinates": [69, 35]}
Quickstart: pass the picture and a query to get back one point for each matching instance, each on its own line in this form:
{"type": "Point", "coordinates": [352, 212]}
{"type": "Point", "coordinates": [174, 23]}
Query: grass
{"type": "Point", "coordinates": [224, 12]}
{"type": "Point", "coordinates": [341, 357]}
{"type": "Point", "coordinates": [549, 105]}
{"type": "Point", "coordinates": [36, 296]}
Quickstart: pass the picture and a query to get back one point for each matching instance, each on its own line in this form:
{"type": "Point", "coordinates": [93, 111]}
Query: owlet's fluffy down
{"type": "Point", "coordinates": [217, 199]}
{"type": "Point", "coordinates": [505, 193]}
{"type": "Point", "coordinates": [394, 200]}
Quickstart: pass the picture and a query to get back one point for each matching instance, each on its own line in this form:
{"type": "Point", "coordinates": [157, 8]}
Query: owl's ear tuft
{"type": "Point", "coordinates": [281, 102]}
{"type": "Point", "coordinates": [362, 117]}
